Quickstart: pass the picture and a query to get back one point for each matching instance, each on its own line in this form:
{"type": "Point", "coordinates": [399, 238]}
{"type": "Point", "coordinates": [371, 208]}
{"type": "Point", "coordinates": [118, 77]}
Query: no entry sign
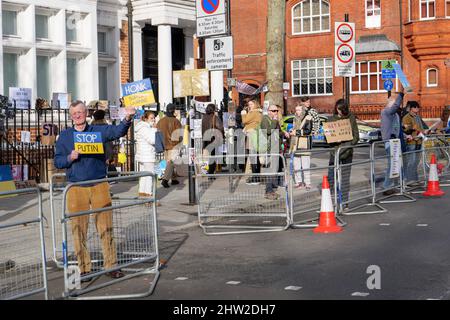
{"type": "Point", "coordinates": [344, 49]}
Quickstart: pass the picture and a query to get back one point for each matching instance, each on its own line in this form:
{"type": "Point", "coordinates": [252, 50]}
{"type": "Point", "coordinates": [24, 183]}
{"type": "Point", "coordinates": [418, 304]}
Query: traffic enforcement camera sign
{"type": "Point", "coordinates": [211, 18]}
{"type": "Point", "coordinates": [344, 52]}
{"type": "Point", "coordinates": [219, 53]}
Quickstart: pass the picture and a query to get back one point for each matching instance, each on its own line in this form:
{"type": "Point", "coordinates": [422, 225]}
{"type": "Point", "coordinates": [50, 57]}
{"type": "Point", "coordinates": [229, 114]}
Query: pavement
{"type": "Point", "coordinates": [409, 245]}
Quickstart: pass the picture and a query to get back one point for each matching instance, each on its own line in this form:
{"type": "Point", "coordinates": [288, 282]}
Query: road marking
{"type": "Point", "coordinates": [385, 224]}
{"type": "Point", "coordinates": [292, 288]}
{"type": "Point", "coordinates": [233, 283]}
{"type": "Point", "coordinates": [233, 220]}
{"type": "Point", "coordinates": [267, 221]}
{"type": "Point", "coordinates": [360, 294]}
{"type": "Point", "coordinates": [181, 278]}
{"type": "Point", "coordinates": [433, 299]}
{"type": "Point", "coordinates": [422, 225]}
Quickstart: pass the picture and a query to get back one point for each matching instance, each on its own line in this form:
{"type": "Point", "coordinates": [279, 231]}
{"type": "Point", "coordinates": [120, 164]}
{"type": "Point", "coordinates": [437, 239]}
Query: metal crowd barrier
{"type": "Point", "coordinates": [414, 160]}
{"type": "Point", "coordinates": [22, 250]}
{"type": "Point", "coordinates": [134, 228]}
{"type": "Point", "coordinates": [305, 202]}
{"type": "Point", "coordinates": [356, 182]}
{"type": "Point", "coordinates": [440, 146]}
{"type": "Point", "coordinates": [56, 191]}
{"type": "Point", "coordinates": [227, 204]}
{"type": "Point", "coordinates": [381, 171]}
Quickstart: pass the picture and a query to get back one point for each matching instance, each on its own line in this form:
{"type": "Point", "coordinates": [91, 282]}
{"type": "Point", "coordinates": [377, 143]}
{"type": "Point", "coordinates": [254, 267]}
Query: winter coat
{"type": "Point", "coordinates": [346, 153]}
{"type": "Point", "coordinates": [145, 142]}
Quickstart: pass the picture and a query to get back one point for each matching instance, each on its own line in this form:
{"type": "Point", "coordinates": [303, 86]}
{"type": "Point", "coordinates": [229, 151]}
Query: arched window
{"type": "Point", "coordinates": [432, 77]}
{"type": "Point", "coordinates": [311, 16]}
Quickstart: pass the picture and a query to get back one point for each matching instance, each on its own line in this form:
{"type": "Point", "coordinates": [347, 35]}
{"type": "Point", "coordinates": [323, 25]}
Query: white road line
{"type": "Point", "coordinates": [422, 225]}
{"type": "Point", "coordinates": [233, 283]}
{"type": "Point", "coordinates": [181, 278]}
{"type": "Point", "coordinates": [385, 224]}
{"type": "Point", "coordinates": [292, 288]}
{"type": "Point", "coordinates": [360, 294]}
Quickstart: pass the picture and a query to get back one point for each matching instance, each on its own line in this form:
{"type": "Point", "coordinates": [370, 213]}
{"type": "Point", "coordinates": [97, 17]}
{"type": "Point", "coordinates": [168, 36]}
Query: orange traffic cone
{"type": "Point", "coordinates": [327, 219]}
{"type": "Point", "coordinates": [433, 188]}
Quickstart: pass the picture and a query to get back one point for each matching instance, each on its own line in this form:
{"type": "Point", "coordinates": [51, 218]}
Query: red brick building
{"type": "Point", "coordinates": [421, 43]}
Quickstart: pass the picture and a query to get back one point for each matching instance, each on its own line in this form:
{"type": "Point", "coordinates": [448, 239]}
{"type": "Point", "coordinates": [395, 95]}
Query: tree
{"type": "Point", "coordinates": [275, 50]}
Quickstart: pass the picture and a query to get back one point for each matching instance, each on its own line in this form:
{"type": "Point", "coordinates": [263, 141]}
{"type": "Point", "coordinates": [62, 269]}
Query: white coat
{"type": "Point", "coordinates": [145, 142]}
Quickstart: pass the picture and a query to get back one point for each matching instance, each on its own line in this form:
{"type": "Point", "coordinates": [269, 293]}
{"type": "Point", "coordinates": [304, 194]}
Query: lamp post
{"type": "Point", "coordinates": [130, 72]}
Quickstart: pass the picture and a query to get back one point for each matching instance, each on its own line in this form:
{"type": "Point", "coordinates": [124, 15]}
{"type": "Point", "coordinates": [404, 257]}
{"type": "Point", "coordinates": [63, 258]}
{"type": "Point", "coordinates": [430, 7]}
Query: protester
{"type": "Point", "coordinates": [391, 129]}
{"type": "Point", "coordinates": [341, 112]}
{"type": "Point", "coordinates": [415, 128]}
{"type": "Point", "coordinates": [270, 126]}
{"type": "Point", "coordinates": [145, 135]}
{"type": "Point", "coordinates": [168, 125]}
{"type": "Point", "coordinates": [85, 167]}
{"type": "Point", "coordinates": [211, 127]}
{"type": "Point", "coordinates": [445, 118]}
{"type": "Point", "coordinates": [251, 122]}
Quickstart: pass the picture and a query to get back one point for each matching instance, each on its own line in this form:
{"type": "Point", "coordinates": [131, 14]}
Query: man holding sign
{"type": "Point", "coordinates": [79, 150]}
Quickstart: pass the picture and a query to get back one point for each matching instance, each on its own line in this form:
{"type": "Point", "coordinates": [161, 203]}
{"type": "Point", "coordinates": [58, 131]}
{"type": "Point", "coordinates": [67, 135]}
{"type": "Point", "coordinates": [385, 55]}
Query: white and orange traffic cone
{"type": "Point", "coordinates": [433, 188]}
{"type": "Point", "coordinates": [327, 218]}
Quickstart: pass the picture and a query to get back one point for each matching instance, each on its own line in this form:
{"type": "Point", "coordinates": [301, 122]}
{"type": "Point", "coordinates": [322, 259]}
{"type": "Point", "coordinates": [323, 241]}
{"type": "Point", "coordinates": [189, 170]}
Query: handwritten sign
{"type": "Point", "coordinates": [49, 133]}
{"type": "Point", "coordinates": [137, 94]}
{"type": "Point", "coordinates": [338, 131]}
{"type": "Point", "coordinates": [88, 142]}
{"type": "Point", "coordinates": [21, 97]}
{"type": "Point", "coordinates": [396, 150]}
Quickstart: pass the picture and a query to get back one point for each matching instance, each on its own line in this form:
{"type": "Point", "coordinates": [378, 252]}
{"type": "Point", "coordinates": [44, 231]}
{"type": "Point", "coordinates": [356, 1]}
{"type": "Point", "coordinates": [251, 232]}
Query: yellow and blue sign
{"type": "Point", "coordinates": [6, 180]}
{"type": "Point", "coordinates": [137, 94]}
{"type": "Point", "coordinates": [88, 142]}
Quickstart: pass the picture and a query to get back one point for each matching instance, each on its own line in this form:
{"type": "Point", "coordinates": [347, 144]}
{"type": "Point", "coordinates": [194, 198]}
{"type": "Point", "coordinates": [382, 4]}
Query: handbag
{"type": "Point", "coordinates": [303, 143]}
{"type": "Point", "coordinates": [159, 142]}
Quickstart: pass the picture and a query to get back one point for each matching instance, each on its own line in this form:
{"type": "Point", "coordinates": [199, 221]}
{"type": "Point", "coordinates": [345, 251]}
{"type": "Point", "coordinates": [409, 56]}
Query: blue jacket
{"type": "Point", "coordinates": [87, 166]}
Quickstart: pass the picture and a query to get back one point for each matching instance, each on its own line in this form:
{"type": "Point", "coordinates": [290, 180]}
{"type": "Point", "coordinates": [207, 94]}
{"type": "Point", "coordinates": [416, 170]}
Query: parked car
{"type": "Point", "coordinates": [367, 132]}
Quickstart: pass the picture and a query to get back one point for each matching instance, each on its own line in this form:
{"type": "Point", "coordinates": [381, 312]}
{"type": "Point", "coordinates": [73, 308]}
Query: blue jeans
{"type": "Point", "coordinates": [412, 162]}
{"type": "Point", "coordinates": [388, 183]}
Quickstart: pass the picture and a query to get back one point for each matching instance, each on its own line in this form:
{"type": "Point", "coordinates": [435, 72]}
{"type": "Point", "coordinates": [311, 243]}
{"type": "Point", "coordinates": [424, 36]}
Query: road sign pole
{"type": "Point", "coordinates": [347, 79]}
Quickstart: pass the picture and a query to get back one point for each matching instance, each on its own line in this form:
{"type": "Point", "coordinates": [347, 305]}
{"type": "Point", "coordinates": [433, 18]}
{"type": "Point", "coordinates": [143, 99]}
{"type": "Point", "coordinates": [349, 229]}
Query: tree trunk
{"type": "Point", "coordinates": [275, 50]}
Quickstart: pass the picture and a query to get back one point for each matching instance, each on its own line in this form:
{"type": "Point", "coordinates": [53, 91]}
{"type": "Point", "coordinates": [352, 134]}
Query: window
{"type": "Point", "coordinates": [312, 77]}
{"type": "Point", "coordinates": [427, 9]}
{"type": "Point", "coordinates": [311, 16]}
{"type": "Point", "coordinates": [447, 9]}
{"type": "Point", "coordinates": [43, 77]}
{"type": "Point", "coordinates": [9, 71]}
{"type": "Point", "coordinates": [432, 77]}
{"type": "Point", "coordinates": [103, 83]}
{"type": "Point", "coordinates": [72, 78]}
{"type": "Point", "coordinates": [41, 26]}
{"type": "Point", "coordinates": [9, 22]}
{"type": "Point", "coordinates": [373, 14]}
{"type": "Point", "coordinates": [71, 27]}
{"type": "Point", "coordinates": [368, 78]}
{"type": "Point", "coordinates": [101, 42]}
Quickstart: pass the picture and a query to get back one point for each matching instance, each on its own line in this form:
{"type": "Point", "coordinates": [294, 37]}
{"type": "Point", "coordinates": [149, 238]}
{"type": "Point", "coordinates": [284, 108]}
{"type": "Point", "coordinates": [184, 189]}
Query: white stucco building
{"type": "Point", "coordinates": [74, 46]}
{"type": "Point", "coordinates": [61, 46]}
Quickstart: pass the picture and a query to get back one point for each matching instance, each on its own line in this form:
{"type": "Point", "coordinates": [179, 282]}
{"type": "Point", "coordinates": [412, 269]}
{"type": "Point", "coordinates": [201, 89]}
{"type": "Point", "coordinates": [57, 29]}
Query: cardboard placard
{"type": "Point", "coordinates": [49, 133]}
{"type": "Point", "coordinates": [190, 83]}
{"type": "Point", "coordinates": [338, 131]}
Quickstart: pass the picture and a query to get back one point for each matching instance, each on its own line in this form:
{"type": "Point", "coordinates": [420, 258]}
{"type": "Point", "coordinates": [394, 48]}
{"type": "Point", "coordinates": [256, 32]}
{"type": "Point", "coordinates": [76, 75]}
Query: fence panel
{"type": "Point", "coordinates": [22, 247]}
{"type": "Point", "coordinates": [233, 203]}
{"type": "Point", "coordinates": [134, 239]}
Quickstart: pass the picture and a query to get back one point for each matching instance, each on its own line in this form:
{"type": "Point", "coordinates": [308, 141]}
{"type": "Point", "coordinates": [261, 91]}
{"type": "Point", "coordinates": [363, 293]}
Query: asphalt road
{"type": "Point", "coordinates": [409, 244]}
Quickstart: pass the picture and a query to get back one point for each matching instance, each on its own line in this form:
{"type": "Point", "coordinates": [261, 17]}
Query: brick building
{"type": "Point", "coordinates": [421, 44]}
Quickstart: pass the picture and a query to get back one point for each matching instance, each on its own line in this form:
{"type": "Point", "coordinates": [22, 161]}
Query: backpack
{"type": "Point", "coordinates": [159, 142]}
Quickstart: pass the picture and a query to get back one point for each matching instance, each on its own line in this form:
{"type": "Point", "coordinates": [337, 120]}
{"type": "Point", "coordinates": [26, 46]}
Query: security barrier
{"type": "Point", "coordinates": [308, 168]}
{"type": "Point", "coordinates": [355, 181]}
{"type": "Point", "coordinates": [227, 204]}
{"type": "Point", "coordinates": [384, 157]}
{"type": "Point", "coordinates": [124, 238]}
{"type": "Point", "coordinates": [439, 145]}
{"type": "Point", "coordinates": [56, 187]}
{"type": "Point", "coordinates": [22, 249]}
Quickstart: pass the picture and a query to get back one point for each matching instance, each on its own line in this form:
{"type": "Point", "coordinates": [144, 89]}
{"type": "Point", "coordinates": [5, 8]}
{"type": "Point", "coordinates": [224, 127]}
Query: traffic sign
{"type": "Point", "coordinates": [219, 53]}
{"type": "Point", "coordinates": [211, 18]}
{"type": "Point", "coordinates": [387, 69]}
{"type": "Point", "coordinates": [344, 49]}
{"type": "Point", "coordinates": [388, 85]}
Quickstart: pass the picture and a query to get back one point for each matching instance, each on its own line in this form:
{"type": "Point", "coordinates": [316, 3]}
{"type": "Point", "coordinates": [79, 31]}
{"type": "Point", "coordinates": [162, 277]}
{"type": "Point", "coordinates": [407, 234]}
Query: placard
{"type": "Point", "coordinates": [25, 136]}
{"type": "Point", "coordinates": [198, 129]}
{"type": "Point", "coordinates": [191, 83]}
{"type": "Point", "coordinates": [138, 93]}
{"type": "Point", "coordinates": [395, 150]}
{"type": "Point", "coordinates": [114, 113]}
{"type": "Point", "coordinates": [21, 97]}
{"type": "Point", "coordinates": [338, 131]}
{"type": "Point", "coordinates": [49, 133]}
{"type": "Point", "coordinates": [88, 142]}
{"type": "Point", "coordinates": [63, 98]}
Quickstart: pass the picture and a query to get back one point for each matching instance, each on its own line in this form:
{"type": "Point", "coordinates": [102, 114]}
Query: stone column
{"type": "Point", "coordinates": [165, 65]}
